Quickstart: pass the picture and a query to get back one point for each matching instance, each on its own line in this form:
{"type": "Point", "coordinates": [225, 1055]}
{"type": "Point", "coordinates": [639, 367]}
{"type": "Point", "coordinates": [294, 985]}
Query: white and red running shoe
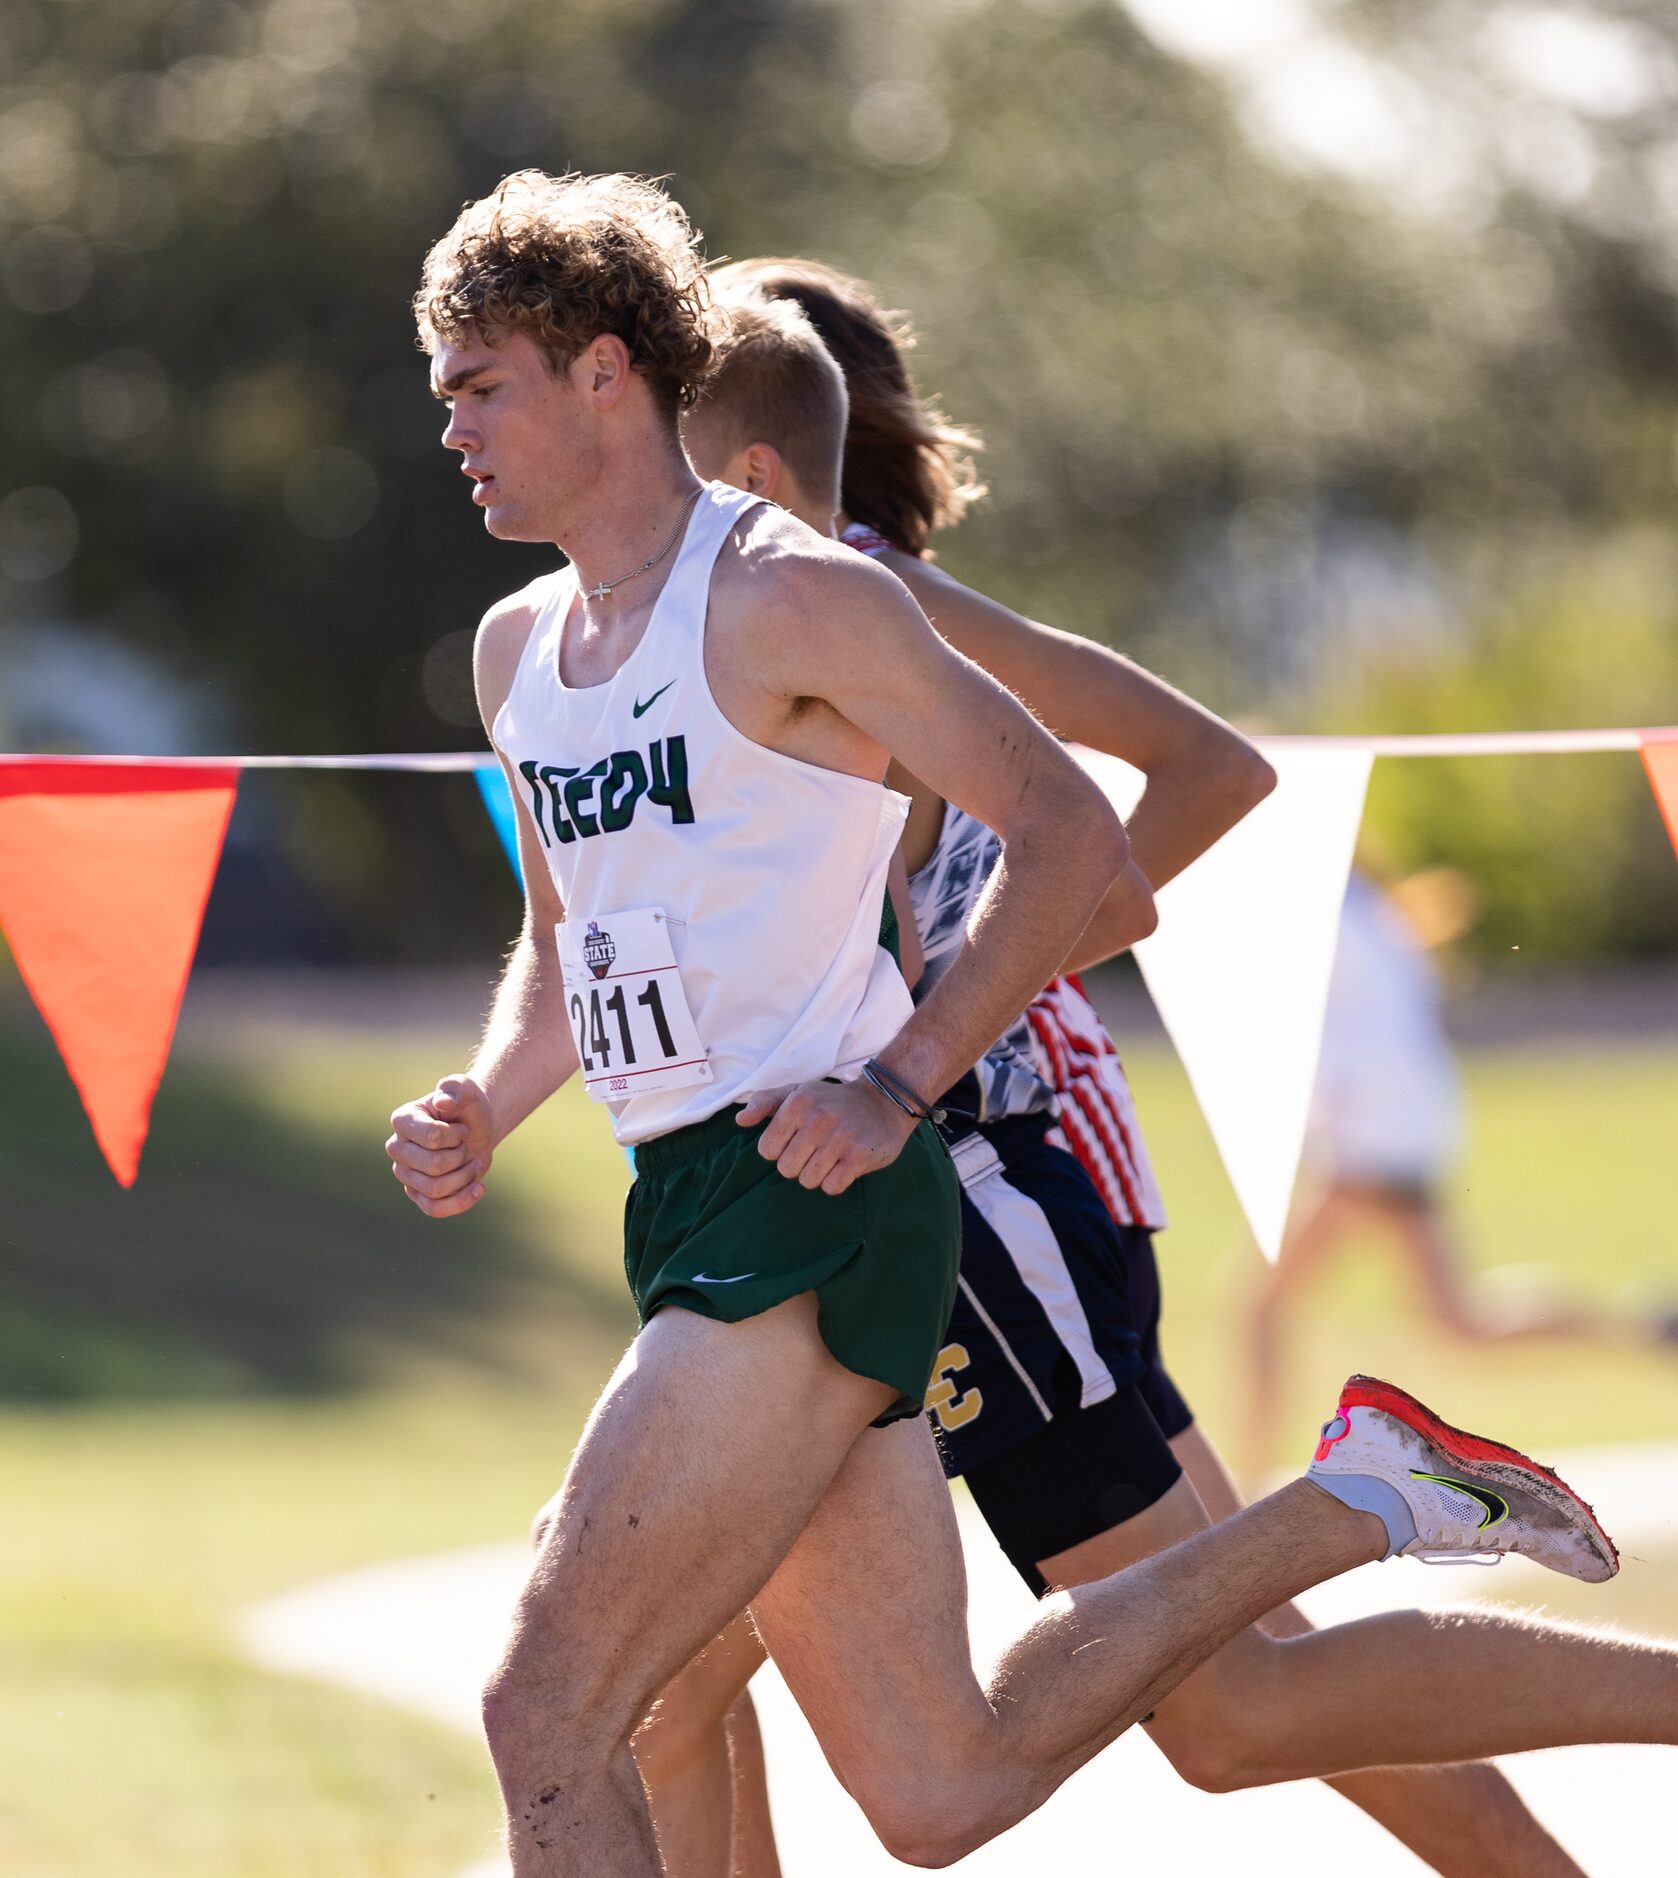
{"type": "Point", "coordinates": [1468, 1498]}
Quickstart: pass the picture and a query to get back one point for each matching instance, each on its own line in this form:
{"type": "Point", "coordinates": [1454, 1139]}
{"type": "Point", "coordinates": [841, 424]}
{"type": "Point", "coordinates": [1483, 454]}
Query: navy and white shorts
{"type": "Point", "coordinates": [1057, 1306]}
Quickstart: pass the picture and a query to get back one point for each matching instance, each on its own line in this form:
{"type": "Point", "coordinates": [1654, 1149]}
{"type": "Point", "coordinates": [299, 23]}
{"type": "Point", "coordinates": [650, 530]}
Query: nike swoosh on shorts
{"type": "Point", "coordinates": [701, 1278]}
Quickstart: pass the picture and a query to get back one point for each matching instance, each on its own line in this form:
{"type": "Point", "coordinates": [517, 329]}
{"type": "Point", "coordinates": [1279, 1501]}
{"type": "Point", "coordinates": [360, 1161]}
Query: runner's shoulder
{"type": "Point", "coordinates": [786, 576]}
{"type": "Point", "coordinates": [510, 619]}
{"type": "Point", "coordinates": [504, 631]}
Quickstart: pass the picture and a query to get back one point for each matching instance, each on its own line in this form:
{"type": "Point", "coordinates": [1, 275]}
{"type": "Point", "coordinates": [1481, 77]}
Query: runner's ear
{"type": "Point", "coordinates": [604, 369]}
{"type": "Point", "coordinates": [764, 473]}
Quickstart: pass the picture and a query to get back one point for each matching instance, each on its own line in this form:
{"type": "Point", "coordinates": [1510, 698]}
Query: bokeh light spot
{"type": "Point", "coordinates": [331, 493]}
{"type": "Point", "coordinates": [446, 678]}
{"type": "Point", "coordinates": [900, 123]}
{"type": "Point", "coordinates": [47, 270]}
{"type": "Point", "coordinates": [38, 534]}
{"type": "Point", "coordinates": [116, 399]}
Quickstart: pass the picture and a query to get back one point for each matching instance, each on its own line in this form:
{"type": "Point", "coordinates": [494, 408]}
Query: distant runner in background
{"type": "Point", "coordinates": [1385, 1137]}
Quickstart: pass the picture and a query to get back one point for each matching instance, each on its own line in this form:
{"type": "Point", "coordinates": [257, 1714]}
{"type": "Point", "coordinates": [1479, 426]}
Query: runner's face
{"type": "Point", "coordinates": [520, 428]}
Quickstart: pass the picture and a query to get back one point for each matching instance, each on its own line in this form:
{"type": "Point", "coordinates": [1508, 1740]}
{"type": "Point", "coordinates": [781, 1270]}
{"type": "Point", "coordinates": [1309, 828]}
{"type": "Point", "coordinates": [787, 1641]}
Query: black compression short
{"type": "Point", "coordinates": [1082, 1474]}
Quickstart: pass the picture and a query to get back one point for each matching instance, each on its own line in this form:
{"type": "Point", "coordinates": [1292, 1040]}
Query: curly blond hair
{"type": "Point", "coordinates": [567, 258]}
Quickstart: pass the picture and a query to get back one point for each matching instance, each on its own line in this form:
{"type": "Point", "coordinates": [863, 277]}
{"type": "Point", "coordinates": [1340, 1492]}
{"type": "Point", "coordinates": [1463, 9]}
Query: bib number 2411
{"type": "Point", "coordinates": [629, 1016]}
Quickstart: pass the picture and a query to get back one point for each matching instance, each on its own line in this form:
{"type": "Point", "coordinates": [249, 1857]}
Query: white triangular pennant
{"type": "Point", "coordinates": [1240, 965]}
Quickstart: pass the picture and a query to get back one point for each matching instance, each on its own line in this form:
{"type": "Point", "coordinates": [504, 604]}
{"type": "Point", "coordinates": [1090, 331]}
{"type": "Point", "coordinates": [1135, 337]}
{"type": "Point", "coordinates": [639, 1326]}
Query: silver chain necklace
{"type": "Point", "coordinates": [607, 586]}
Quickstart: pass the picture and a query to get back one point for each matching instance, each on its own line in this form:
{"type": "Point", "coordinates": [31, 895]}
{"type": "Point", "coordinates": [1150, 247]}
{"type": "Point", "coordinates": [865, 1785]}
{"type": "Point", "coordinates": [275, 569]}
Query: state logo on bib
{"type": "Point", "coordinates": [629, 1015]}
{"type": "Point", "coordinates": [599, 954]}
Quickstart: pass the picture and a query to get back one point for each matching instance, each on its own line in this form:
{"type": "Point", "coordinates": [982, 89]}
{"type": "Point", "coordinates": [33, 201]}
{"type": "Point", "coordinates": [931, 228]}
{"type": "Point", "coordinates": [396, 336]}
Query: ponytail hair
{"type": "Point", "coordinates": [908, 470]}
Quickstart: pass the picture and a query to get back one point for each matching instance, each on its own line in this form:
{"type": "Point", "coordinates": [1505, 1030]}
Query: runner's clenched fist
{"type": "Point", "coordinates": [440, 1147]}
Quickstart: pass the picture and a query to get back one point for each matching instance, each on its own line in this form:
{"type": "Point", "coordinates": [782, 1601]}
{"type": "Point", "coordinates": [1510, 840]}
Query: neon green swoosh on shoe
{"type": "Point", "coordinates": [1496, 1507]}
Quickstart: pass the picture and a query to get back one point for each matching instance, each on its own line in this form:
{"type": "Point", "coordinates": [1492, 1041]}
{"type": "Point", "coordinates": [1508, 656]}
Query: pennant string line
{"type": "Point", "coordinates": [437, 762]}
{"type": "Point", "coordinates": [1451, 743]}
{"type": "Point", "coordinates": [1482, 742]}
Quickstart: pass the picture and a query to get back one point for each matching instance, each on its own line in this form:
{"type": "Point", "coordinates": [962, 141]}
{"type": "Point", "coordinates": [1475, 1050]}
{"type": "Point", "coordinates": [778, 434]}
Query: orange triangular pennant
{"type": "Point", "coordinates": [1660, 759]}
{"type": "Point", "coordinates": [104, 872]}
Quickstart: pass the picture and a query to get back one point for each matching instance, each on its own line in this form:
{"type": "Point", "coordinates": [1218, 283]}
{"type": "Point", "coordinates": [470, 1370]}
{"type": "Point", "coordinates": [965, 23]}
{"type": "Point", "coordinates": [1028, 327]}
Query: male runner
{"type": "Point", "coordinates": [698, 711]}
{"type": "Point", "coordinates": [1050, 1394]}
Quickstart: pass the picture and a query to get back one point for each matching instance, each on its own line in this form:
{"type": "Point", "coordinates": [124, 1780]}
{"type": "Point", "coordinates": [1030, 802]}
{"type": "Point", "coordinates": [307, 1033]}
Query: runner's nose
{"type": "Point", "coordinates": [457, 432]}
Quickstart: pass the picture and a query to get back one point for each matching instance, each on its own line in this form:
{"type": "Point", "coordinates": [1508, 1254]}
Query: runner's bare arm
{"type": "Point", "coordinates": [527, 1050]}
{"type": "Point", "coordinates": [1203, 775]}
{"type": "Point", "coordinates": [441, 1144]}
{"type": "Point", "coordinates": [909, 952]}
{"type": "Point", "coordinates": [889, 674]}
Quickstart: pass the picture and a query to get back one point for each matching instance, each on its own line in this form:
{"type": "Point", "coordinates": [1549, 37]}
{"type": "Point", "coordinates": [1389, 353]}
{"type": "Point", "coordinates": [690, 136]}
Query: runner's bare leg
{"type": "Point", "coordinates": [938, 1771]}
{"type": "Point", "coordinates": [1269, 1709]}
{"type": "Point", "coordinates": [1465, 1820]}
{"type": "Point", "coordinates": [755, 1855]}
{"type": "Point", "coordinates": [940, 1764]}
{"type": "Point", "coordinates": [939, 1767]}
{"type": "Point", "coordinates": [701, 1758]}
{"type": "Point", "coordinates": [693, 1481]}
{"type": "Point", "coordinates": [1423, 1231]}
{"type": "Point", "coordinates": [702, 1762]}
{"type": "Point", "coordinates": [1316, 1229]}
{"type": "Point", "coordinates": [687, 1748]}
{"type": "Point", "coordinates": [686, 1489]}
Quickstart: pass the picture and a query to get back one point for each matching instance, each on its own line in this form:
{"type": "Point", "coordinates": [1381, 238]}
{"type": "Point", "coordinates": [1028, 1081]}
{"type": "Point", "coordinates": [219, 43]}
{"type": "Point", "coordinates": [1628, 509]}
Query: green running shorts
{"type": "Point", "coordinates": [712, 1227]}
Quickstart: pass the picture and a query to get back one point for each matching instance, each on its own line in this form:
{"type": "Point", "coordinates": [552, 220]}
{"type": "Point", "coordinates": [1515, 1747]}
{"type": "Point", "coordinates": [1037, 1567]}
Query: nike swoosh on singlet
{"type": "Point", "coordinates": [1497, 1508]}
{"type": "Point", "coordinates": [640, 707]}
{"type": "Point", "coordinates": [702, 1278]}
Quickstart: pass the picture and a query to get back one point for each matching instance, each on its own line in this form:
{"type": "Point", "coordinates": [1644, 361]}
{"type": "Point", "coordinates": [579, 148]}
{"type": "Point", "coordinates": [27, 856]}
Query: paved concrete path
{"type": "Point", "coordinates": [422, 1633]}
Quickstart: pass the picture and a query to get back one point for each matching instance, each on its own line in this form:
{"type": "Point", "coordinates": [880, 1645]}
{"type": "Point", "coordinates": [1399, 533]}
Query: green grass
{"type": "Point", "coordinates": [175, 1759]}
{"type": "Point", "coordinates": [133, 1538]}
{"type": "Point", "coordinates": [258, 1367]}
{"type": "Point", "coordinates": [261, 1366]}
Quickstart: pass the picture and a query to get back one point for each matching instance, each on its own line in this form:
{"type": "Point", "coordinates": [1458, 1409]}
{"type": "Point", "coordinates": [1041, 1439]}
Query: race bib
{"type": "Point", "coordinates": [629, 1015]}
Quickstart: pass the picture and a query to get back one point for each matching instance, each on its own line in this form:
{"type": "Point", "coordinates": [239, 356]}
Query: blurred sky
{"type": "Point", "coordinates": [1316, 98]}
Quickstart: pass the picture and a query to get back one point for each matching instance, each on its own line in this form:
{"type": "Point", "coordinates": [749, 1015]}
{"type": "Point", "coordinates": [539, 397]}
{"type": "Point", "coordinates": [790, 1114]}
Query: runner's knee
{"type": "Point", "coordinates": [924, 1831]}
{"type": "Point", "coordinates": [1207, 1759]}
{"type": "Point", "coordinates": [517, 1706]}
{"type": "Point", "coordinates": [560, 1674]}
{"type": "Point", "coordinates": [1216, 1728]}
{"type": "Point", "coordinates": [552, 1715]}
{"type": "Point", "coordinates": [931, 1816]}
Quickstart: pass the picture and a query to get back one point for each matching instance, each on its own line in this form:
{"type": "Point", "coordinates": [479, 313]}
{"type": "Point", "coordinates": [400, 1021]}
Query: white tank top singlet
{"type": "Point", "coordinates": [770, 872]}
